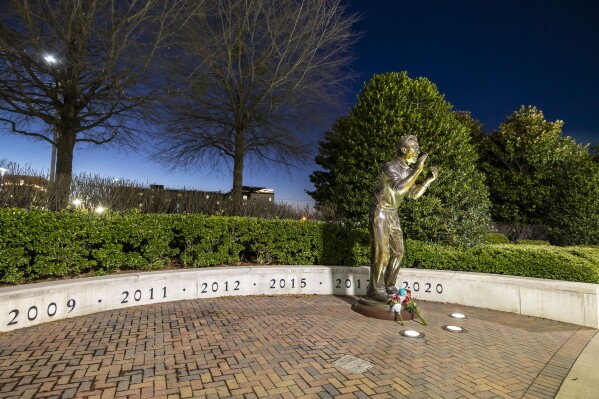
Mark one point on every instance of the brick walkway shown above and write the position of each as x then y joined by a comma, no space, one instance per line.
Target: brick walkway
284,347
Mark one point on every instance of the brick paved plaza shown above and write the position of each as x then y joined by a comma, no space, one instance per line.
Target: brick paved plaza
284,347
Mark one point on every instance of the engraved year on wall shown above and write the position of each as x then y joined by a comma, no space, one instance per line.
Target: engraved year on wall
351,285
421,287
33,314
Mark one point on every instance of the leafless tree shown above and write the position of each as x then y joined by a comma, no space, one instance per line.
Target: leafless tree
251,72
78,71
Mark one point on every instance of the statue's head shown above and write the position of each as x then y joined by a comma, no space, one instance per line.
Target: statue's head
408,149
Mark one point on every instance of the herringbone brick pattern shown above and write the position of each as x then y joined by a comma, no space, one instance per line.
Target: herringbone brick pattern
284,347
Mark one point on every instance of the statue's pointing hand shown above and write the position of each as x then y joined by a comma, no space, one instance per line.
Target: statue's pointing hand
420,162
433,176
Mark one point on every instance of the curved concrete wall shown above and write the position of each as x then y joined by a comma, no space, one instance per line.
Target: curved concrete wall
29,305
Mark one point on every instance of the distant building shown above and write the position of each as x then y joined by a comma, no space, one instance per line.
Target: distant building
23,191
257,194
157,198
35,182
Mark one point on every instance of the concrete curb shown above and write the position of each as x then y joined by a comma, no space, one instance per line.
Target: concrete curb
583,379
32,304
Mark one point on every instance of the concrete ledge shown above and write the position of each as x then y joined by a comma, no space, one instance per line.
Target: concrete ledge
566,301
32,304
29,305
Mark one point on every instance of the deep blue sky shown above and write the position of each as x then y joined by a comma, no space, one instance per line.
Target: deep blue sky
490,57
487,57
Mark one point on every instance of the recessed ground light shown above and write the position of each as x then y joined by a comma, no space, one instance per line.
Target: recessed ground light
411,334
453,328
458,315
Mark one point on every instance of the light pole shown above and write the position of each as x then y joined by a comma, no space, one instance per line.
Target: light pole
53,157
2,172
51,60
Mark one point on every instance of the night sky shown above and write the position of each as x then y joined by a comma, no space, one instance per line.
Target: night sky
490,57
486,57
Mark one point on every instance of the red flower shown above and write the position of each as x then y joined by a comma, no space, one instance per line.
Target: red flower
394,299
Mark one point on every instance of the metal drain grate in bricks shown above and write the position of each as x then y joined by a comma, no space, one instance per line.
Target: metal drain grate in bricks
353,364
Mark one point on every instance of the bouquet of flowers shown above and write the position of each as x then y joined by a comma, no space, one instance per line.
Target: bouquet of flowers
399,302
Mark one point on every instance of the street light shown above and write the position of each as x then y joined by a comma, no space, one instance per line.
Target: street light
2,172
51,60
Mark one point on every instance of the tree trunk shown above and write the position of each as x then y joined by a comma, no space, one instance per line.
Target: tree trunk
60,188
238,172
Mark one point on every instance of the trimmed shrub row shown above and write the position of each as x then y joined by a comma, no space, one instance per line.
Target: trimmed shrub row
39,244
499,238
558,263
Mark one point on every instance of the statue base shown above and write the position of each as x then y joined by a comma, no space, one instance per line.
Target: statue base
379,310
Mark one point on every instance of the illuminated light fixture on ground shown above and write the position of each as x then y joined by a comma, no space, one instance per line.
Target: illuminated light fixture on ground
411,334
100,209
458,315
77,202
453,329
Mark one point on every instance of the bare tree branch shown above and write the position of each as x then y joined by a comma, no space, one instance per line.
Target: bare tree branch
85,69
250,73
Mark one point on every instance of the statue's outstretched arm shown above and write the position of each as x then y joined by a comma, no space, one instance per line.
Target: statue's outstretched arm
405,185
419,189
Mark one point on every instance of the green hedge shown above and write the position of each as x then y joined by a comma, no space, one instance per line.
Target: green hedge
532,242
558,263
497,238
38,244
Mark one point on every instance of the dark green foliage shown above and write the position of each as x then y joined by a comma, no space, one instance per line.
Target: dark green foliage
455,208
520,160
44,244
145,240
216,240
344,246
206,240
532,242
558,263
36,245
40,244
497,238
595,153
573,214
541,177
286,242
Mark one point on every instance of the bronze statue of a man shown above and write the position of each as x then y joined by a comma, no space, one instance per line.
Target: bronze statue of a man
396,180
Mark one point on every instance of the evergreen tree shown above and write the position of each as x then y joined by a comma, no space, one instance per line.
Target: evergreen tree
573,214
519,159
455,208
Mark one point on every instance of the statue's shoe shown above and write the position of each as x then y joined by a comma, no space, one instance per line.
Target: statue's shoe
378,296
392,290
